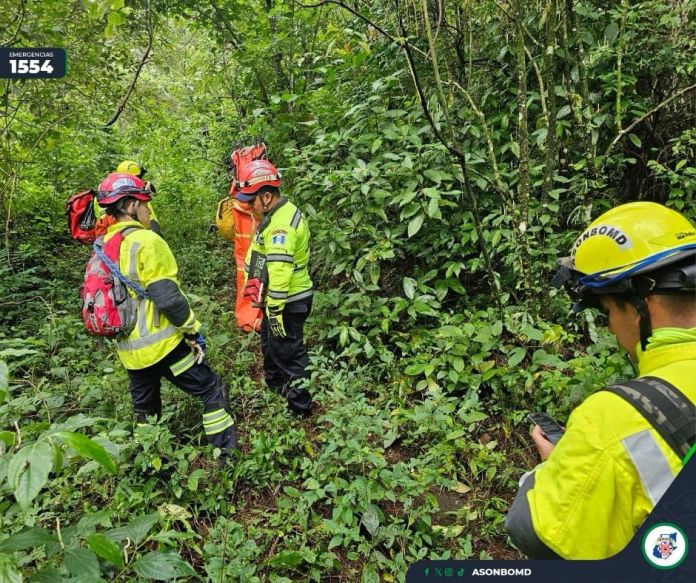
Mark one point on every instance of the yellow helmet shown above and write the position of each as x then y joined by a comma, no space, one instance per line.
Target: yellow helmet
635,250
131,167
630,239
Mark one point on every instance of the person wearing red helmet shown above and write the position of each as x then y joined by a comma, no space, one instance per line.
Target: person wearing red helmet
137,170
166,340
278,281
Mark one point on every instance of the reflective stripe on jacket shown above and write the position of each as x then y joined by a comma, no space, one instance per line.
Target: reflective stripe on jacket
605,475
283,239
146,259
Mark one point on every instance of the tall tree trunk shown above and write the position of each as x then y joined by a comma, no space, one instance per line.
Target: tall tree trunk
523,185
579,110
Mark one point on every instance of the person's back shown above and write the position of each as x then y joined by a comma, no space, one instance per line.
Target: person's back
165,341
146,258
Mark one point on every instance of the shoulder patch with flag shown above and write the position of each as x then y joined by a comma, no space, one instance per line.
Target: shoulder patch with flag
278,237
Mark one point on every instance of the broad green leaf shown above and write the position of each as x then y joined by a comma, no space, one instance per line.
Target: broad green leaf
162,566
564,111
292,558
433,209
543,358
9,571
27,538
516,356
461,488
409,287
105,548
449,531
532,333
80,561
370,519
415,224
138,528
635,140
415,369
8,438
49,575
17,352
88,448
369,574
611,32
28,471
192,482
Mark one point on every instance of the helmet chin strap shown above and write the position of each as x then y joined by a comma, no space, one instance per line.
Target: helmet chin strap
132,215
645,325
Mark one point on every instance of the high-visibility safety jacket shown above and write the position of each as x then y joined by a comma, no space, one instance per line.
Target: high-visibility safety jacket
606,473
282,244
166,316
237,222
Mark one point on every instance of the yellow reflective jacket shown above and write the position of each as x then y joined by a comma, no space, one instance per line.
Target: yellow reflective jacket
146,259
282,241
607,472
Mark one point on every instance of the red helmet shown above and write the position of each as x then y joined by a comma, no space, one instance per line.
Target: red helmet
255,175
118,185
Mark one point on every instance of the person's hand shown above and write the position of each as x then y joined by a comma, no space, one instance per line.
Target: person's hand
198,345
543,445
253,290
200,340
275,322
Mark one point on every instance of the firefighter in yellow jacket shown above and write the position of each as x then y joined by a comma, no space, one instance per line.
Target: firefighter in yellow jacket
278,281
617,457
166,340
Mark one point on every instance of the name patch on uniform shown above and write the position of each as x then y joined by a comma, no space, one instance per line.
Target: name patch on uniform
614,233
278,237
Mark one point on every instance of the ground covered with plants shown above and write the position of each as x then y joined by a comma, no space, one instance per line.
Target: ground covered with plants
445,154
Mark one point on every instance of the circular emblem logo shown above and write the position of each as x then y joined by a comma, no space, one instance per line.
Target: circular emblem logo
665,546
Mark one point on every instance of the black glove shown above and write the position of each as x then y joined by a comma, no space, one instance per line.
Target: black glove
275,321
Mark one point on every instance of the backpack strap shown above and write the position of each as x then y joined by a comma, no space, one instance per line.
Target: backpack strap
116,241
665,407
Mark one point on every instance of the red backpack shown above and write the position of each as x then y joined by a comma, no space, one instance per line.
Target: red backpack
243,156
82,221
107,307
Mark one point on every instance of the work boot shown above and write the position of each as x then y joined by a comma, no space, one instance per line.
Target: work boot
299,402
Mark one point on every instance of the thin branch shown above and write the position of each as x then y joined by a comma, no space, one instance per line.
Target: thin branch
222,20
519,23
489,141
10,42
124,101
461,160
15,178
365,19
540,80
642,118
424,102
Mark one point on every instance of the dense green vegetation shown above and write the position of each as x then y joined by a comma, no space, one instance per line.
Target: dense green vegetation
445,153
